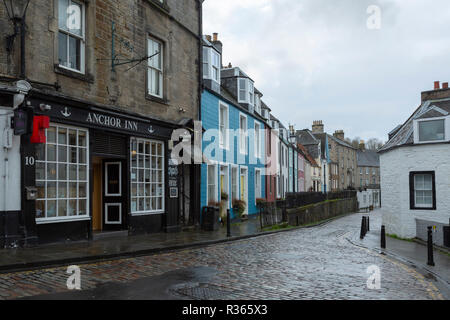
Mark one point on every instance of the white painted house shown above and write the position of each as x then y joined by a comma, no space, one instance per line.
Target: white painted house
415,170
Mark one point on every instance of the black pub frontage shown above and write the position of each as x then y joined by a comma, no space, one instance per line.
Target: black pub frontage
100,171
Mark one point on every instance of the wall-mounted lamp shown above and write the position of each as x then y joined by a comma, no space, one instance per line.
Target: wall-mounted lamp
16,10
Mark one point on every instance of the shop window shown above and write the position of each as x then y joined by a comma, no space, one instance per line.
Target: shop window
62,168
147,176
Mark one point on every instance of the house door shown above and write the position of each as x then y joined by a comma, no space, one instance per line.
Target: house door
113,196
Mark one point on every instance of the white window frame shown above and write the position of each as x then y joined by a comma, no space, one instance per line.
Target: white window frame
218,67
258,196
216,184
137,182
258,144
150,68
234,194
82,38
424,206
224,141
249,91
446,129
206,63
227,178
243,132
56,219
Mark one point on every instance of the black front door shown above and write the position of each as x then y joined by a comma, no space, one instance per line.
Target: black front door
114,195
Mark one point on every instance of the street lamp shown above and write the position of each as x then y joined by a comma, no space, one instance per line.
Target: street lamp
16,10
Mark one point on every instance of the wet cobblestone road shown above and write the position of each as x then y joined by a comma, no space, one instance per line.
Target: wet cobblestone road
315,263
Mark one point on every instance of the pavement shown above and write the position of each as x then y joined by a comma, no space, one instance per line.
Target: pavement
414,253
12,259
323,262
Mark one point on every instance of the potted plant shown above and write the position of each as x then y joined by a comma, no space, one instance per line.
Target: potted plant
239,207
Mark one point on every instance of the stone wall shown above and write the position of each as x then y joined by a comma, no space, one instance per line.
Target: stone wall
321,211
176,25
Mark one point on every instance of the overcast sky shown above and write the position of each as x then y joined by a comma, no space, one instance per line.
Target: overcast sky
318,60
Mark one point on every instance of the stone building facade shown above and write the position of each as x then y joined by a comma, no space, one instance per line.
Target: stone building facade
115,78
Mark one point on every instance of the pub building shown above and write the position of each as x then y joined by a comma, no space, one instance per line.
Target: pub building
100,171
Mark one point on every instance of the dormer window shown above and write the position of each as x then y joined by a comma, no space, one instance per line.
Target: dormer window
430,130
246,91
211,64
258,104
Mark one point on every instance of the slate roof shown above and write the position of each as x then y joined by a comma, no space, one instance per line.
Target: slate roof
307,155
342,143
368,158
428,109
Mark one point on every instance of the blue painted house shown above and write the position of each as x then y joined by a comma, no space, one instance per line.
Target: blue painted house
233,138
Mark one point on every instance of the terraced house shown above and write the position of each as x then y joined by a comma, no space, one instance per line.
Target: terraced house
234,139
108,82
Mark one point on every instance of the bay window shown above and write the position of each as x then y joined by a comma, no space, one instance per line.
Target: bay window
147,176
62,168
246,91
71,35
211,64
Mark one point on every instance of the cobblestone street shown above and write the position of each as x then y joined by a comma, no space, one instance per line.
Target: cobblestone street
314,263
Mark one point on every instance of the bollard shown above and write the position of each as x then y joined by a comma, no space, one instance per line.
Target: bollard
368,223
383,237
228,223
363,228
430,247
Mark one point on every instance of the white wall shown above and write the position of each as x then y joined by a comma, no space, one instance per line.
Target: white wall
12,192
395,168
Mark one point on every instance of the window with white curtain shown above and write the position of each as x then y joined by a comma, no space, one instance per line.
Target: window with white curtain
257,140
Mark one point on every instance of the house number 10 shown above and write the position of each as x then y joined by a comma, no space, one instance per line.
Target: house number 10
29,161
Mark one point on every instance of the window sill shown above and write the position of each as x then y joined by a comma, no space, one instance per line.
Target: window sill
138,214
61,220
73,74
156,99
161,6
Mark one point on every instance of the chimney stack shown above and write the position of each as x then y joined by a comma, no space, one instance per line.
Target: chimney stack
362,145
318,126
215,35
437,85
437,93
339,134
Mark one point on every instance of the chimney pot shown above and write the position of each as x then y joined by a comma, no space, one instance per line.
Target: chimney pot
437,85
445,85
215,36
208,37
